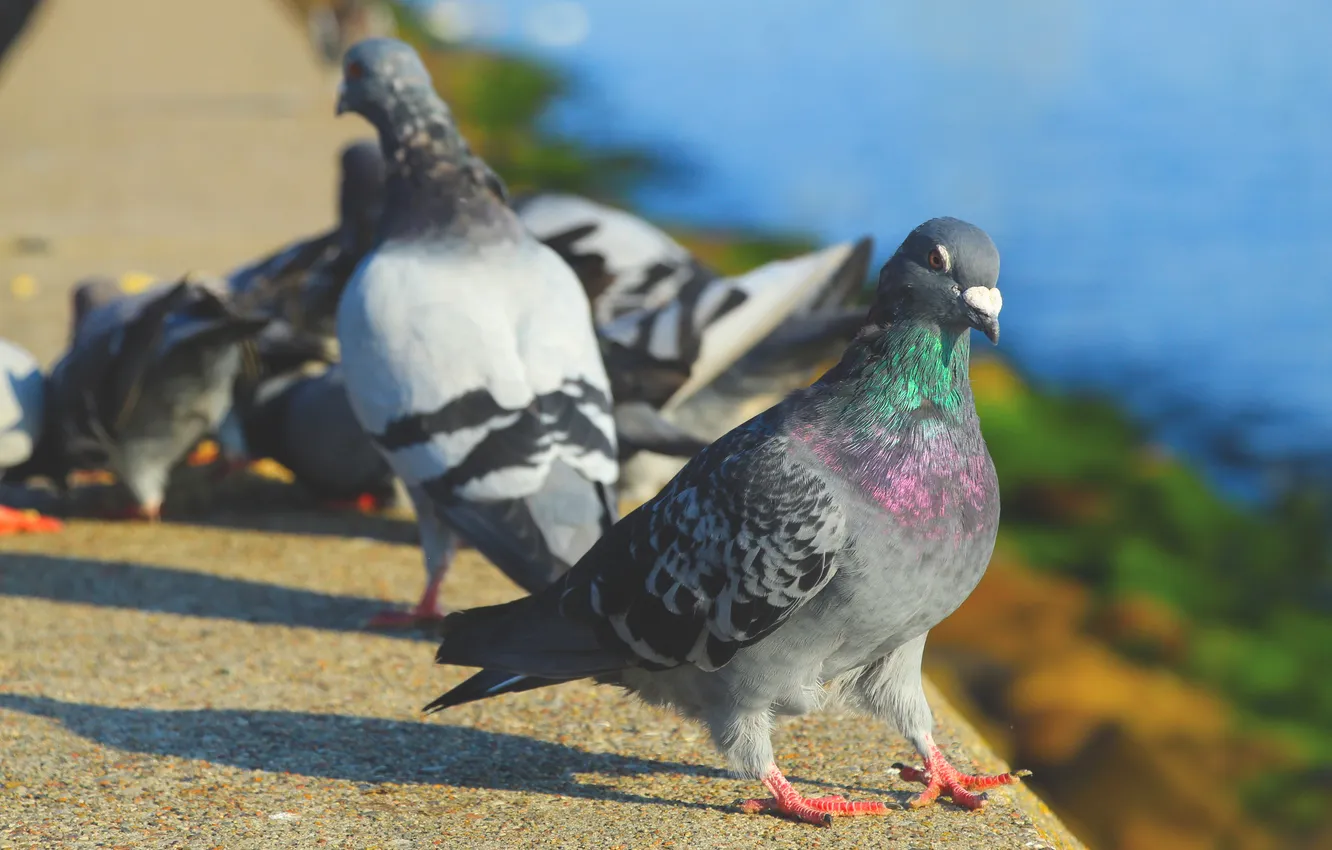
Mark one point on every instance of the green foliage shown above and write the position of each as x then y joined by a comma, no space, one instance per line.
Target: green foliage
1082,497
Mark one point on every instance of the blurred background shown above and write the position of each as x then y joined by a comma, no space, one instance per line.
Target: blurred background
1153,638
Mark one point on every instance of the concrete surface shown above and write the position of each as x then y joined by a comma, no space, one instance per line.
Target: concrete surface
203,683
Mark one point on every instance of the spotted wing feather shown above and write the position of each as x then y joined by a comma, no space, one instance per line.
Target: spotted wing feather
740,539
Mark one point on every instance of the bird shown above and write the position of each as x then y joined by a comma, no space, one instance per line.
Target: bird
300,283
145,378
468,349
803,556
670,324
22,413
302,419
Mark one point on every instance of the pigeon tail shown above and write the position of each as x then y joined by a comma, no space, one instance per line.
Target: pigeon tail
486,684
528,637
846,281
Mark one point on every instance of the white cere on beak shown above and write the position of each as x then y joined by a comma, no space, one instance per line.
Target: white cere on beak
986,301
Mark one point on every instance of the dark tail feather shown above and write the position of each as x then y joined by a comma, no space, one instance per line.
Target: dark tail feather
486,684
508,535
849,279
527,637
640,427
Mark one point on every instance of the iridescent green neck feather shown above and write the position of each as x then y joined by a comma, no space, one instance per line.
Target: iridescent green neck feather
910,369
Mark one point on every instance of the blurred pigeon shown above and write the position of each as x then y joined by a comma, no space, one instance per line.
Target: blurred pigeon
816,544
301,283
670,326
664,355
22,412
303,420
89,294
146,377
468,349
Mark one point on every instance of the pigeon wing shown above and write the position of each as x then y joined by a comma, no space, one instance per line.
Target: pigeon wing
740,539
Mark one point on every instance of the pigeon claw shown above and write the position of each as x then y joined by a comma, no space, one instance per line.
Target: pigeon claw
942,779
143,513
394,619
426,612
787,802
13,521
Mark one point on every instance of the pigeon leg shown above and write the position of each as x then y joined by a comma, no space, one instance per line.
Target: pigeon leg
891,689
149,513
427,609
941,778
438,544
14,521
788,802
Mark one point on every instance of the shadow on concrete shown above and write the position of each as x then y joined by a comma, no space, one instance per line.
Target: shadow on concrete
15,15
117,584
312,522
358,749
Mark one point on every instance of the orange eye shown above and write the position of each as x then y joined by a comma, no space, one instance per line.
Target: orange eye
354,71
938,260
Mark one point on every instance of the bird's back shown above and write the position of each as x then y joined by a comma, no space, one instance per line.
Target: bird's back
463,330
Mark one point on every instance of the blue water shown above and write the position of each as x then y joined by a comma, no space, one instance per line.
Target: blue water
1158,177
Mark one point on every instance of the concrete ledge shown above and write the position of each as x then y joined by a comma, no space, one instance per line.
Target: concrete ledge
208,685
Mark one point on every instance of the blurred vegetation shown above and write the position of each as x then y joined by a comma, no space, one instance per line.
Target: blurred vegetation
1159,652
1159,655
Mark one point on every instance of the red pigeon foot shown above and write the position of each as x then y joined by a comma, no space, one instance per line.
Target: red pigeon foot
941,778
426,612
366,503
147,513
786,801
14,521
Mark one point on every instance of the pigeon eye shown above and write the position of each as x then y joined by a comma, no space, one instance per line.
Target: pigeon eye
938,259
355,70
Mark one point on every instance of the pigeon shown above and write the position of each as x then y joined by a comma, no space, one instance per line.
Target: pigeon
146,377
670,325
806,553
468,349
303,420
22,412
301,283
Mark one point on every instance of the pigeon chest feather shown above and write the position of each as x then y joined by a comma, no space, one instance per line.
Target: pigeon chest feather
931,479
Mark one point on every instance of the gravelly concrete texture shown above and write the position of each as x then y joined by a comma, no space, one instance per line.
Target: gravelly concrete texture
199,686
204,682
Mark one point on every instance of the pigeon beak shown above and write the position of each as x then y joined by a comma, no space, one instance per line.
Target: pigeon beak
983,305
342,99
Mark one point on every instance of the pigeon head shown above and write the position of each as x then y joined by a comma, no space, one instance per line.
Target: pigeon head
379,74
947,271
385,82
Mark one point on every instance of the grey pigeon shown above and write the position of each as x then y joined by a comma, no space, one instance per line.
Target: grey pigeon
22,413
301,282
146,377
468,349
303,420
815,545
670,324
